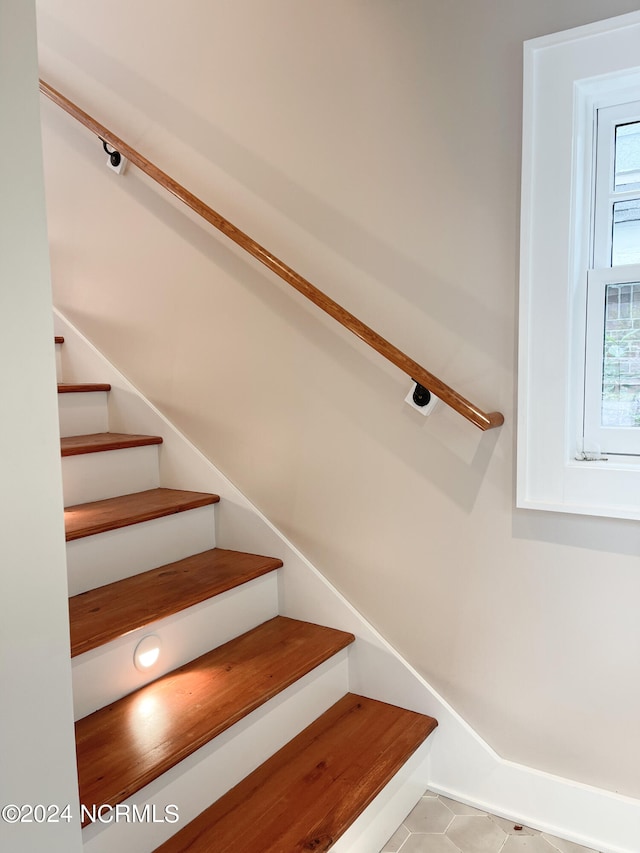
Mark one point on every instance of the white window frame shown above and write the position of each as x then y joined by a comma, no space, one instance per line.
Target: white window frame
609,111
566,76
609,117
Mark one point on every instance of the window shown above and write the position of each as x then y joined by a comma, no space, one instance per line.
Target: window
612,345
579,352
617,185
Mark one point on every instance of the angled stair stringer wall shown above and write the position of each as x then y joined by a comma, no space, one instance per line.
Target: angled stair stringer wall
457,763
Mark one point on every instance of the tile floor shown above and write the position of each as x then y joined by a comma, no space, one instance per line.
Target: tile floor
440,825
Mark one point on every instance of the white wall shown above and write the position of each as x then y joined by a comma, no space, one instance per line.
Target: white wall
376,148
37,749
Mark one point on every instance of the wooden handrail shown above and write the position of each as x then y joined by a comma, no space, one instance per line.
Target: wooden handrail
481,419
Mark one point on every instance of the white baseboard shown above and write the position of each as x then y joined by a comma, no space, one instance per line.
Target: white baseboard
596,819
461,764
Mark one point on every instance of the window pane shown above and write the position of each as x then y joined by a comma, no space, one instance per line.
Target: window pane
621,356
627,156
626,233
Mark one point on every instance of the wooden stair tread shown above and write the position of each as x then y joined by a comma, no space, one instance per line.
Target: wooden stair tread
307,795
110,611
112,513
58,339
127,744
76,445
80,387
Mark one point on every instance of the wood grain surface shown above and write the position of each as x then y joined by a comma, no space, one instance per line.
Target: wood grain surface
125,745
309,793
112,513
110,611
76,445
82,387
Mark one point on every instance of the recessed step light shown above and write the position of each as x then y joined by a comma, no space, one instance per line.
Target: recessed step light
147,652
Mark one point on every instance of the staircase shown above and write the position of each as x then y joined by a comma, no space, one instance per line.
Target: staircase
243,734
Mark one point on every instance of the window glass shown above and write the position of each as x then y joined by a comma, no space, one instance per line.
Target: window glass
627,157
621,356
626,233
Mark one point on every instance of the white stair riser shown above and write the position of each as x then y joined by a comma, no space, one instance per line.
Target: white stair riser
83,413
106,557
203,777
105,674
377,823
59,362
94,476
